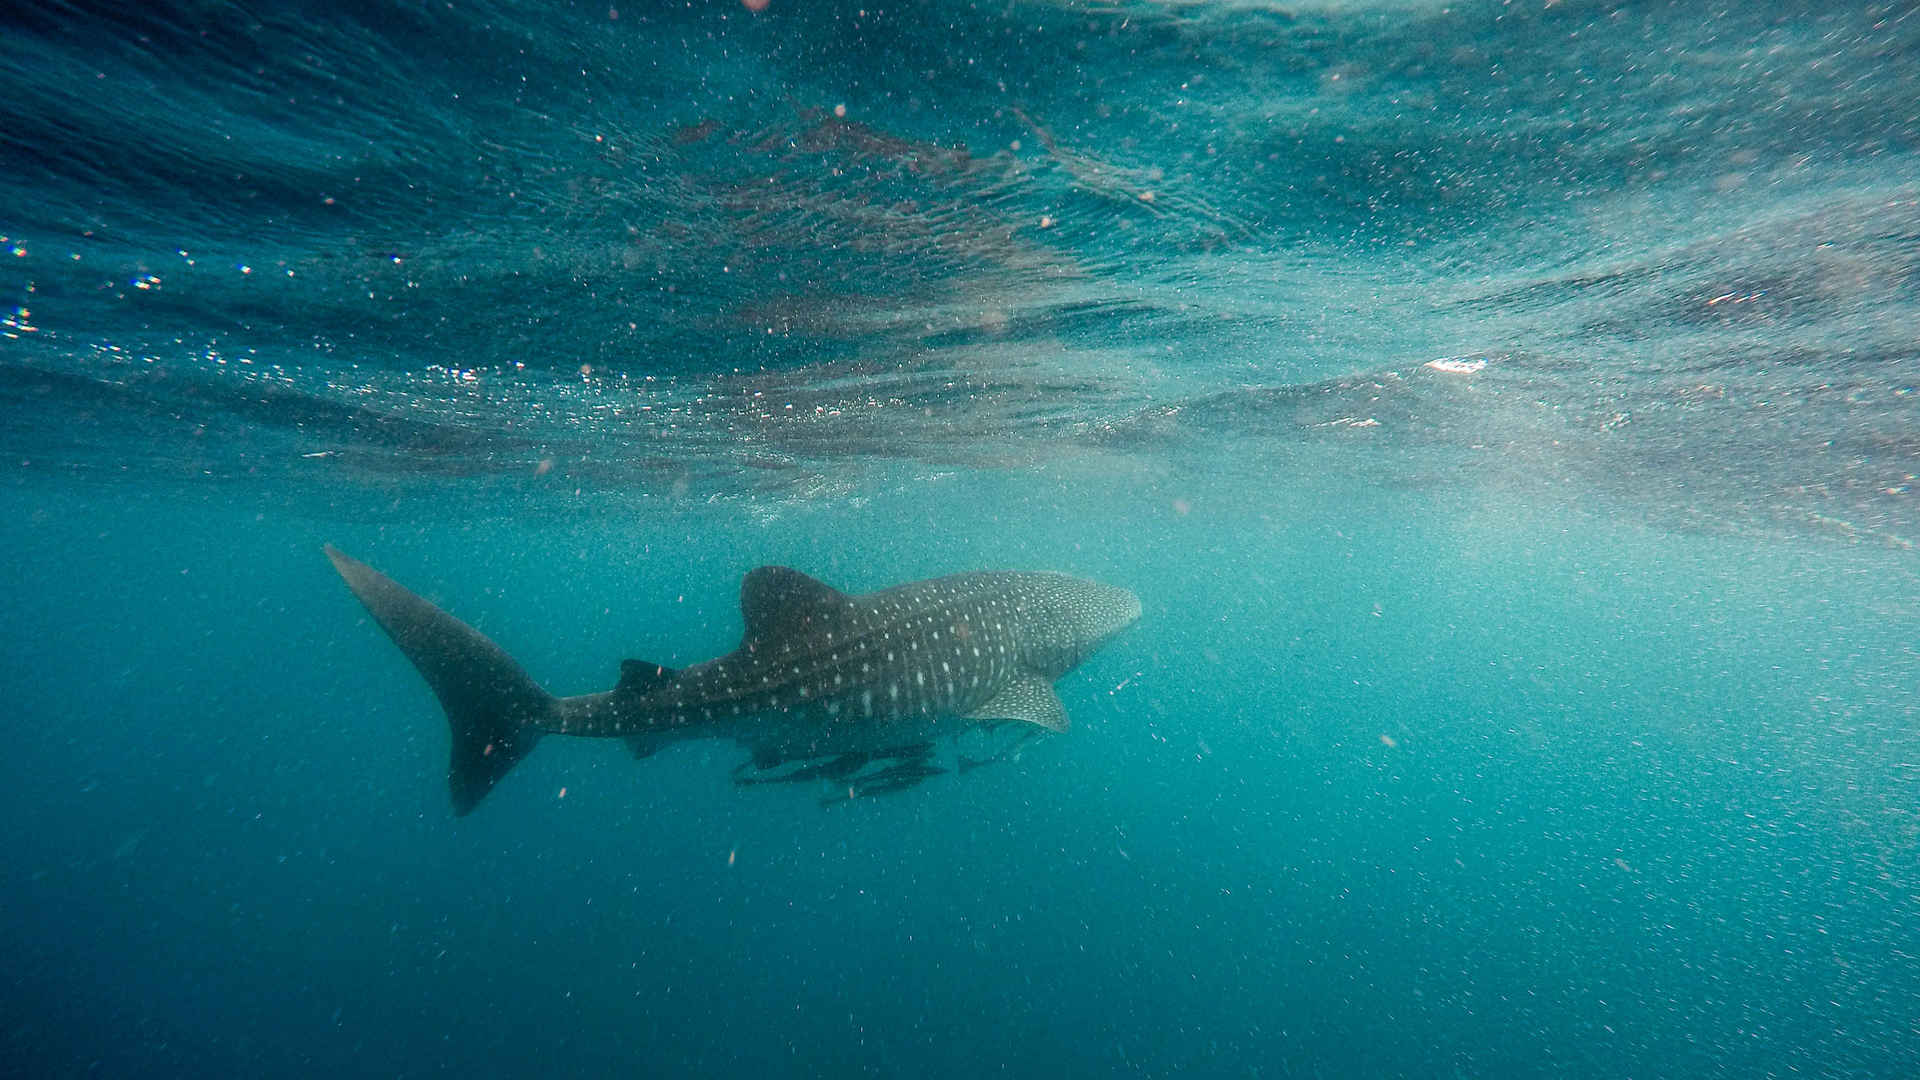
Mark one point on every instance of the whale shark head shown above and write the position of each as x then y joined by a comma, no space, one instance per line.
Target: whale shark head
1064,619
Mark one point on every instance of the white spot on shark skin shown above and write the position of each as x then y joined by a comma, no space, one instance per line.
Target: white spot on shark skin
866,702
893,691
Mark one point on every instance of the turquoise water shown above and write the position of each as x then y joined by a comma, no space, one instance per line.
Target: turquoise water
1505,413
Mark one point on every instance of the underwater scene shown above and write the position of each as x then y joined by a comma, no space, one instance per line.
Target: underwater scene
1350,538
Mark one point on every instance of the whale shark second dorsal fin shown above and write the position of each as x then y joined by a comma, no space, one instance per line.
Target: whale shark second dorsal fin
777,602
642,676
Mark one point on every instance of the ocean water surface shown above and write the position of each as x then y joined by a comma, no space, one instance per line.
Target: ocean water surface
1506,412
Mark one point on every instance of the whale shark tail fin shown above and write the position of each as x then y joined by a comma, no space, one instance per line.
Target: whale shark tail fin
490,700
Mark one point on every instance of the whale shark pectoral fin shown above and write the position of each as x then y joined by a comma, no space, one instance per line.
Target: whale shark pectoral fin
1028,698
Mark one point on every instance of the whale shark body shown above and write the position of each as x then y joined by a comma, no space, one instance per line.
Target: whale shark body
824,685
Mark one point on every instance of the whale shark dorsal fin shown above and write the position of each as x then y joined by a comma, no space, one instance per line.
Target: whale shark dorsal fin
1029,698
777,602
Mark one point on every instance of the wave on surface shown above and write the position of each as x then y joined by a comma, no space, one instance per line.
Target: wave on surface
709,251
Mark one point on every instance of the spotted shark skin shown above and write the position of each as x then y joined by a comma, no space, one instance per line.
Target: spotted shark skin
819,673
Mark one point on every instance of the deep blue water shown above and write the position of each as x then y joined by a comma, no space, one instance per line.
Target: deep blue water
1507,414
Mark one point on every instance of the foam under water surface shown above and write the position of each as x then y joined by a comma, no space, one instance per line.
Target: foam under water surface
1505,413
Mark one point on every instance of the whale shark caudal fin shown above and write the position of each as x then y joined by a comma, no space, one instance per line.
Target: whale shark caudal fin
489,699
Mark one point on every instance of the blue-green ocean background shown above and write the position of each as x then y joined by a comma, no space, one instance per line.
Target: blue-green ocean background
1507,414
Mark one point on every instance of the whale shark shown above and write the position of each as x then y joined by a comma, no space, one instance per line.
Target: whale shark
854,689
